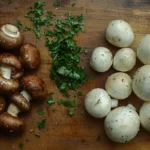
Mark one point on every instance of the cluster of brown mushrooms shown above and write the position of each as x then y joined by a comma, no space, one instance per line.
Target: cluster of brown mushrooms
17,87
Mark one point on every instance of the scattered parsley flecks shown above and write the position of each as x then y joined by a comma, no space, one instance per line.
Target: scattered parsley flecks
41,112
19,24
41,124
79,93
73,4
56,3
70,112
67,103
21,145
50,100
83,140
27,28
37,135
66,71
82,112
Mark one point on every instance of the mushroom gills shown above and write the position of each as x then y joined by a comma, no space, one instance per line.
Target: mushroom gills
6,71
26,95
10,30
13,110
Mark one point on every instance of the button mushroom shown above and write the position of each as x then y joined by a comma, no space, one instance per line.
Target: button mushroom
98,103
33,88
122,124
30,56
10,71
2,104
119,85
10,37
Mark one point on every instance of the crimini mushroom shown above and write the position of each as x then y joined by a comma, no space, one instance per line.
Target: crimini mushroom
2,104
98,103
141,83
10,71
101,59
119,33
119,85
10,37
33,88
30,56
11,123
122,124
145,115
124,60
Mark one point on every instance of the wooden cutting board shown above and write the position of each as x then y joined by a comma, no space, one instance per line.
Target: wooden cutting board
78,132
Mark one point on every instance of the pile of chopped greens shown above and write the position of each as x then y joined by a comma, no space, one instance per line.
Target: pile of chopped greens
65,71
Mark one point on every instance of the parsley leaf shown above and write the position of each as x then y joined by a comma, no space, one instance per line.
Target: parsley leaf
67,103
37,135
41,112
19,24
56,3
21,145
41,124
70,112
50,99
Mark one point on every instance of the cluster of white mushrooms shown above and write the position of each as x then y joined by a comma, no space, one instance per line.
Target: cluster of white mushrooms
123,123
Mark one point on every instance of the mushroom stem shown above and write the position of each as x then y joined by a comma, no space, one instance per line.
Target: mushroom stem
6,71
10,30
13,110
131,106
114,103
26,95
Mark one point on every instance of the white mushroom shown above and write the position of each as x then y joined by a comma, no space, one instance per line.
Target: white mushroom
122,124
145,115
141,83
119,85
98,103
124,60
101,59
119,33
143,50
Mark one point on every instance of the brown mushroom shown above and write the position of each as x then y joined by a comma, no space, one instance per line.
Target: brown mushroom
2,104
33,88
30,56
11,123
10,37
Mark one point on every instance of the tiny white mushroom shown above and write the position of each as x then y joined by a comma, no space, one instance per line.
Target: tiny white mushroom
145,116
122,124
119,85
98,103
141,83
143,50
124,60
119,33
101,59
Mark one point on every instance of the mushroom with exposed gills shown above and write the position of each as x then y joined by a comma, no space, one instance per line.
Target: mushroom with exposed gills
10,37
10,71
33,88
30,56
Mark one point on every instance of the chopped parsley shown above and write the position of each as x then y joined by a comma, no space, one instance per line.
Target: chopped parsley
27,28
66,71
41,112
79,93
82,112
70,112
31,130
37,135
19,24
50,99
67,103
73,4
41,124
56,3
21,145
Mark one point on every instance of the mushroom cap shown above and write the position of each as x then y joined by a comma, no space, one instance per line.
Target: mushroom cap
141,83
10,60
98,103
30,56
2,104
124,60
10,37
13,124
8,85
122,124
119,85
145,115
35,86
101,59
19,100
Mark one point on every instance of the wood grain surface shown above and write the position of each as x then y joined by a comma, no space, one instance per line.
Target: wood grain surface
78,132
